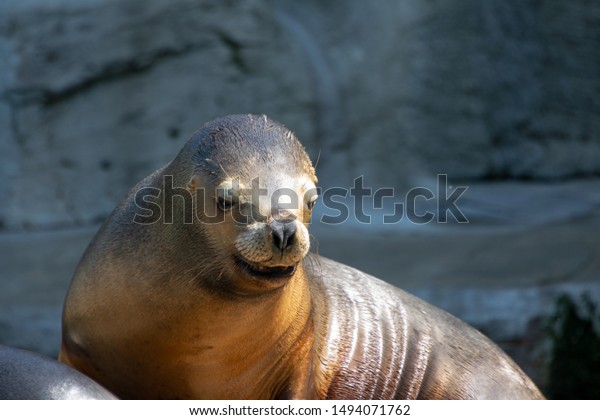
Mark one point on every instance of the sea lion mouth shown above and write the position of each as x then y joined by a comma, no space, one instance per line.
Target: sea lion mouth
274,272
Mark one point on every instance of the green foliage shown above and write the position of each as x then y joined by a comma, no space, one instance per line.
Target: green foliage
574,370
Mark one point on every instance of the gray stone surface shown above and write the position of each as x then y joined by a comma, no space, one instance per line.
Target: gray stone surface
475,89
101,93
36,270
96,94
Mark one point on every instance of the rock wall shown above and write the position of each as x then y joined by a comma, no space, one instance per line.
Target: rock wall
490,89
97,94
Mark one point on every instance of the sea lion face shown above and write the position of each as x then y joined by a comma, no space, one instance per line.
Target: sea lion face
270,226
260,189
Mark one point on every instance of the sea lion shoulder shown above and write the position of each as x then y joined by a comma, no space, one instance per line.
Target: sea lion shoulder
417,349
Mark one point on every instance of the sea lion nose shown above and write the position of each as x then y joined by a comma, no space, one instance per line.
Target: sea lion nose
283,233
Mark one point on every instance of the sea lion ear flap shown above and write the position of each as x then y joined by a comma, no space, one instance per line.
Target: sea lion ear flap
194,183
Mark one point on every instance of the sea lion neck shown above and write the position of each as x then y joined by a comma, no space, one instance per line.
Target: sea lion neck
245,344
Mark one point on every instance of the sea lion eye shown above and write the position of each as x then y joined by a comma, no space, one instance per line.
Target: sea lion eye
311,203
224,203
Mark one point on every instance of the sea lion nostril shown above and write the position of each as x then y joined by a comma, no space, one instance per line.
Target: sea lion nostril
283,234
291,234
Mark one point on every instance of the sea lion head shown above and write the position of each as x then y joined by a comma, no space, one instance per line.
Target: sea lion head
254,189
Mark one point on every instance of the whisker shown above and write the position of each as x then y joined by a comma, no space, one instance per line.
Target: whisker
317,162
313,262
224,171
314,241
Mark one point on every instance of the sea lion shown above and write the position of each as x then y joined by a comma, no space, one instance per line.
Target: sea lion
201,285
25,375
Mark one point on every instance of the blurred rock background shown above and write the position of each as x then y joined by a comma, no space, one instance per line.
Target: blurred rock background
502,95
